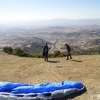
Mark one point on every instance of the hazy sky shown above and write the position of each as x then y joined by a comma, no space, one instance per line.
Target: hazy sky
48,9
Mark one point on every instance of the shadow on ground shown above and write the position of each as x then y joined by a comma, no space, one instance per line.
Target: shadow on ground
54,61
73,95
77,60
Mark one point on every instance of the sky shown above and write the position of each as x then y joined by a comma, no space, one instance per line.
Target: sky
26,10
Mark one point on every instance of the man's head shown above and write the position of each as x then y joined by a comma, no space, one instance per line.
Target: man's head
65,43
45,43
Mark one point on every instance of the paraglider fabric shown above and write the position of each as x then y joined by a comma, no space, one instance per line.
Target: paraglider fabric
47,88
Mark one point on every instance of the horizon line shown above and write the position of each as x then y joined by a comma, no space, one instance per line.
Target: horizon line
46,19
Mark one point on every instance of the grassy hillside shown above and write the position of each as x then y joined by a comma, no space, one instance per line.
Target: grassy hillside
35,70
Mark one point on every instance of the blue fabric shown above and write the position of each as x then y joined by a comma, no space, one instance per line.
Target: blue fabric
71,84
18,88
8,86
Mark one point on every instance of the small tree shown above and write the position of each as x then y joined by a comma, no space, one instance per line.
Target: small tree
57,53
8,49
18,51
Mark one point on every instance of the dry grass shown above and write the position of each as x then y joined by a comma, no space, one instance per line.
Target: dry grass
35,70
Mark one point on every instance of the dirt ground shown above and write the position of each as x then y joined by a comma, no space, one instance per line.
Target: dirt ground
85,68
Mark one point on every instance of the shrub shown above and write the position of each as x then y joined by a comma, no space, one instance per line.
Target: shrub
8,49
18,51
57,53
38,55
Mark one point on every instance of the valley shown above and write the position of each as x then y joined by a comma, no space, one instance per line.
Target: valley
78,37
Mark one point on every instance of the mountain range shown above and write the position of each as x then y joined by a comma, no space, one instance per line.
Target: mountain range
54,22
31,35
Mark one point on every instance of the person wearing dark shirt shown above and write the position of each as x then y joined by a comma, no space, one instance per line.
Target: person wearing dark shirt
45,52
68,51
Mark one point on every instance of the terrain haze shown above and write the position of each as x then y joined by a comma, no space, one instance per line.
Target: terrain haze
52,22
31,35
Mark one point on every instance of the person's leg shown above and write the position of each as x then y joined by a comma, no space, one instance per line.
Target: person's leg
67,56
47,56
44,55
70,56
44,58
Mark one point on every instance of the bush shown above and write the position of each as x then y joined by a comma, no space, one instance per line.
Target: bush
18,51
57,53
8,49
38,55
51,55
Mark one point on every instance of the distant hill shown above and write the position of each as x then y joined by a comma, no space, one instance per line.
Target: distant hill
34,47
56,22
32,38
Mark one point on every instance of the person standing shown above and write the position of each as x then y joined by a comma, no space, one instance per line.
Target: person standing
45,52
68,51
